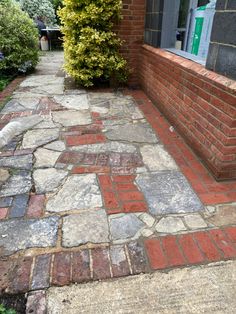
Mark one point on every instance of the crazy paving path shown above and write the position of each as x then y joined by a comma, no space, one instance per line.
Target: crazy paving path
88,191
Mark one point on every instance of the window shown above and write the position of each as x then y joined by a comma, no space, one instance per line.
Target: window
181,26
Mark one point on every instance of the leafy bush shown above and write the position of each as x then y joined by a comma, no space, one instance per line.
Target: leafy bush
18,38
57,4
39,8
3,310
91,47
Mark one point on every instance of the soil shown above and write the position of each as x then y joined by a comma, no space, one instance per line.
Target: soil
15,301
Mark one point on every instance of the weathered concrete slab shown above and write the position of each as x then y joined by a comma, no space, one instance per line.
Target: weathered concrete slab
70,118
48,180
168,192
17,184
208,289
36,138
78,192
19,234
87,227
139,133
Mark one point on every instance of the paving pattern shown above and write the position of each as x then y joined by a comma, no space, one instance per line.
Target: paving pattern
88,190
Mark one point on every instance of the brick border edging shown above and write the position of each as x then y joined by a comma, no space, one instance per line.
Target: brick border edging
210,191
40,272
10,88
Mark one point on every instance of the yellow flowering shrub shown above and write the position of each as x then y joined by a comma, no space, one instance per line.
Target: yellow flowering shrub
91,47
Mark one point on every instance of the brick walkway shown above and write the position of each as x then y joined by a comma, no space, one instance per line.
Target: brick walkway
93,186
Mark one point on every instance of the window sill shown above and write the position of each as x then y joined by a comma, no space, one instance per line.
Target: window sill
187,55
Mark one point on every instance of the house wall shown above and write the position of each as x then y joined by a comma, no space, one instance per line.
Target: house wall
131,30
222,51
199,103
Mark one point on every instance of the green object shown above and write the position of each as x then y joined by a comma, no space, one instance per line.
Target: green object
202,8
39,8
197,35
3,310
18,39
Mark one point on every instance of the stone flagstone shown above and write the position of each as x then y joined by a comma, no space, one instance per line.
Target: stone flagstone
4,175
77,102
36,138
140,133
41,80
70,118
48,180
78,192
16,184
17,162
45,158
19,234
20,104
58,146
168,192
124,226
156,158
170,225
86,227
195,221
50,90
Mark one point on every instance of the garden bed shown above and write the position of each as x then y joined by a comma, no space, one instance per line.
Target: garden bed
13,302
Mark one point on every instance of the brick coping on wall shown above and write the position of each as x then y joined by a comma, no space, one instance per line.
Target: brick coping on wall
201,105
216,79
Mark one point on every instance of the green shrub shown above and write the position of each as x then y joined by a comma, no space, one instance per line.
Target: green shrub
18,38
39,8
91,47
3,310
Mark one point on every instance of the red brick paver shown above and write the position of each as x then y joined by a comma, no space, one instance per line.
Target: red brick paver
121,195
160,253
208,189
190,249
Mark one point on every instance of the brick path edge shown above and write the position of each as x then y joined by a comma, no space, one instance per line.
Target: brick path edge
28,273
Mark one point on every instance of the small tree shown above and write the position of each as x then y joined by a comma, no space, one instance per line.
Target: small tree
91,47
18,38
42,8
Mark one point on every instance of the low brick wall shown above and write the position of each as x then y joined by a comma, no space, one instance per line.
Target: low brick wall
199,103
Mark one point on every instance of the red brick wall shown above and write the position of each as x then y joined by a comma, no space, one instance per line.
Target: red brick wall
131,30
199,103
